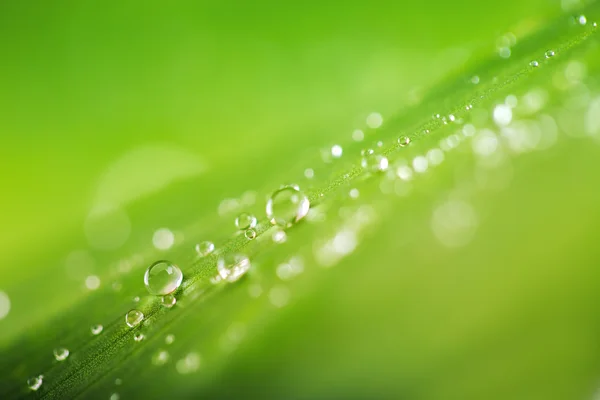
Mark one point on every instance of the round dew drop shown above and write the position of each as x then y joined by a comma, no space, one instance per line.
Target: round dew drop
61,354
35,383
287,206
245,221
205,248
534,64
233,266
250,234
403,141
162,278
133,318
96,329
168,301
549,53
138,337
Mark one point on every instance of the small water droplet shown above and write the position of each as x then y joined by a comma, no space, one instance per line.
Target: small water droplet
582,20
374,162
336,151
287,206
233,266
35,383
161,357
169,339
138,337
96,329
504,52
136,299
168,301
549,53
133,318
534,64
309,173
354,193
61,354
403,141
366,152
250,234
163,277
205,248
245,221
475,80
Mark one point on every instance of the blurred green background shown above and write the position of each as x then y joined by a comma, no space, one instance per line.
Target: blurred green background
166,109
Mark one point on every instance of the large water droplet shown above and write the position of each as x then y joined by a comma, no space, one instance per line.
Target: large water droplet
205,248
287,206
61,354
374,162
35,383
245,221
96,329
233,266
162,277
133,318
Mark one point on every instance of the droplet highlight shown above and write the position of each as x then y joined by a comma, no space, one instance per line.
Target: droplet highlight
205,248
233,266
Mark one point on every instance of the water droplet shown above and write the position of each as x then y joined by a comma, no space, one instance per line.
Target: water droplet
279,236
245,221
287,206
161,357
136,299
96,329
374,120
163,277
92,282
354,193
358,135
163,239
138,337
4,304
250,234
115,396
403,141
133,318
309,173
336,151
168,301
582,20
61,354
169,339
549,53
35,383
374,162
451,118
534,64
189,364
475,80
233,266
205,248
